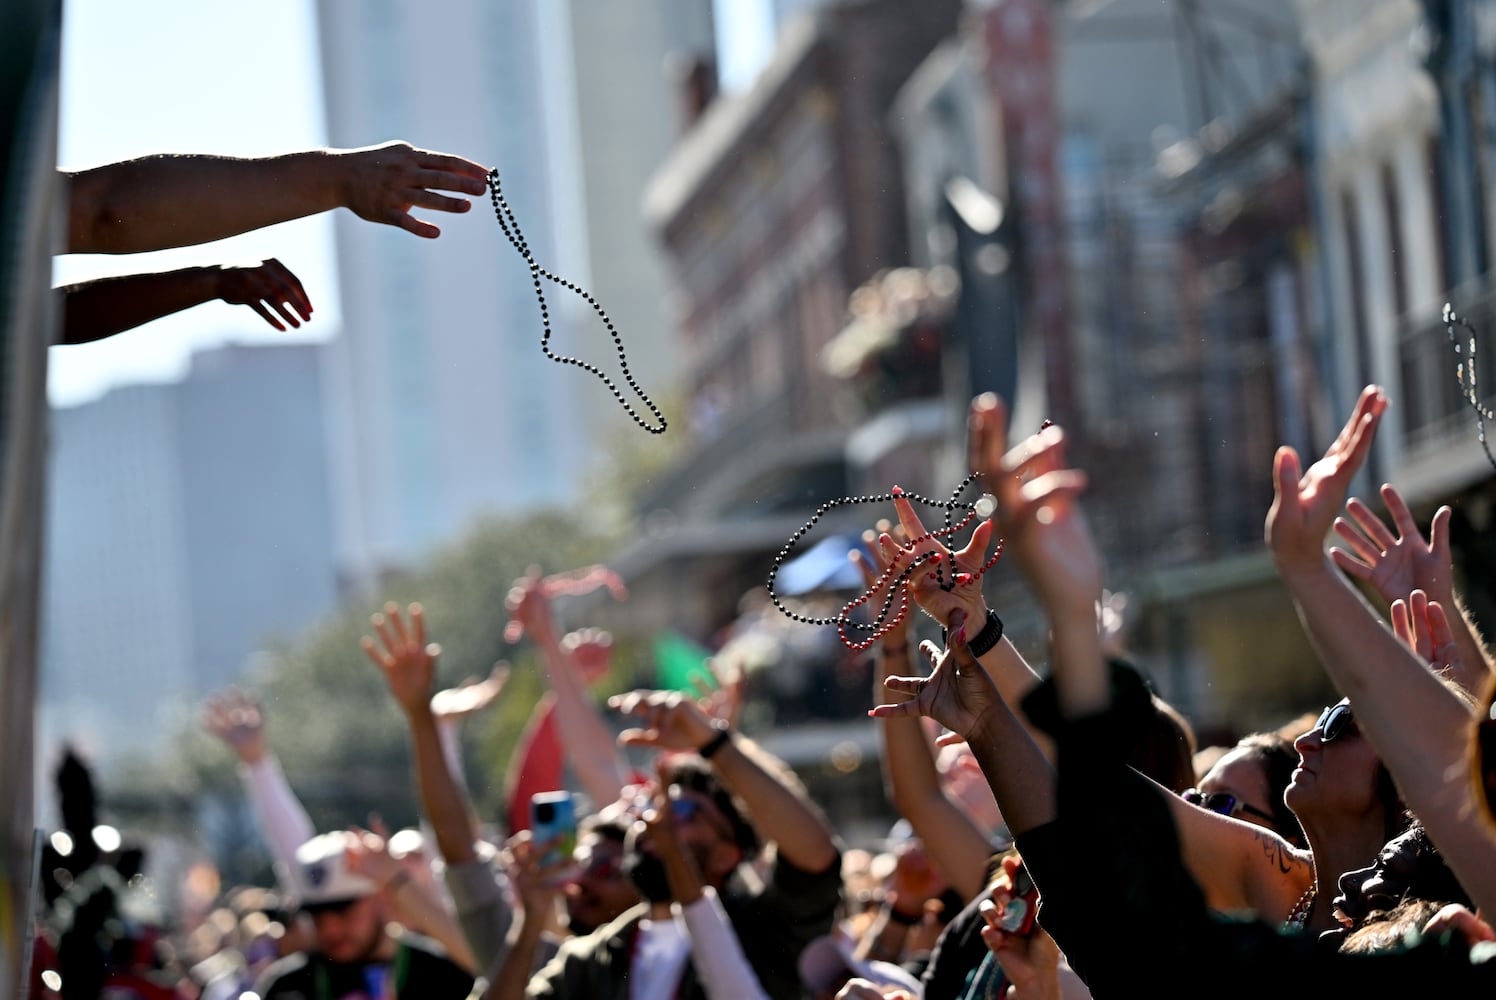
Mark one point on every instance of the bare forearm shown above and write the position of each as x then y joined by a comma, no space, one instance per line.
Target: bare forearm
1014,679
1080,670
173,200
514,973
1021,777
93,310
780,812
590,745
1388,686
1475,667
956,845
442,798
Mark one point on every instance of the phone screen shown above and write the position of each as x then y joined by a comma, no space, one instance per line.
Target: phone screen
553,822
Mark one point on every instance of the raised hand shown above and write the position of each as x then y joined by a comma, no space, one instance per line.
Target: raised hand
957,693
383,183
530,597
265,286
538,885
591,650
959,570
1424,627
368,855
886,551
471,696
403,656
915,879
1396,564
238,719
723,698
666,719
1305,500
1031,962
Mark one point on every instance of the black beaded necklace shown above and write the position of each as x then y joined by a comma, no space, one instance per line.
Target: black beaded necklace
898,571
510,225
1464,373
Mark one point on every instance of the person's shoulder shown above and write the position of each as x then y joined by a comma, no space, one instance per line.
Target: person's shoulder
286,978
432,971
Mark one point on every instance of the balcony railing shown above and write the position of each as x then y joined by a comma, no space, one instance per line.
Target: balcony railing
1434,373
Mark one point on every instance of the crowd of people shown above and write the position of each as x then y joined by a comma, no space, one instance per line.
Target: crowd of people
1056,839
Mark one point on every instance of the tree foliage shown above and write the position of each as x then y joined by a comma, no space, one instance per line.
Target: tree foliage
338,733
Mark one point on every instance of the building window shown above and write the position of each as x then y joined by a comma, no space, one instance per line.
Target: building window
1395,242
1434,158
1358,287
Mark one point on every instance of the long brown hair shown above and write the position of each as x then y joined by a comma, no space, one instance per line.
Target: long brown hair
1483,753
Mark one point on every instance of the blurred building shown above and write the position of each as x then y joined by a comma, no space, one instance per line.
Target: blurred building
188,524
774,206
443,405
1405,142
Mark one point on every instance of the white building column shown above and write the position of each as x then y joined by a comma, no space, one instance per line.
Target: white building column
1420,248
1378,302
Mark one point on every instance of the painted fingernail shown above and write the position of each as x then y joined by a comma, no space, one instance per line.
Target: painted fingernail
959,635
963,578
936,558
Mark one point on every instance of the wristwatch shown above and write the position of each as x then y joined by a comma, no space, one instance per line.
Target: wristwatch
991,634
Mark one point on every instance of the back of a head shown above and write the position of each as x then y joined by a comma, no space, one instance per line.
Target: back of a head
1163,742
697,775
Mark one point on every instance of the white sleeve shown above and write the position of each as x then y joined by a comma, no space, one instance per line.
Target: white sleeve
283,821
721,966
446,732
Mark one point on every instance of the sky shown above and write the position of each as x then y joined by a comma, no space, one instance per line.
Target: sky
240,79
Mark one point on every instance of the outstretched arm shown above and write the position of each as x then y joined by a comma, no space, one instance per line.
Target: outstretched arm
409,665
174,200
781,810
239,720
1383,678
93,310
1395,563
414,903
590,745
956,845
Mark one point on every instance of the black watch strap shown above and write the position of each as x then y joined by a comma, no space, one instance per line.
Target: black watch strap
991,634
717,742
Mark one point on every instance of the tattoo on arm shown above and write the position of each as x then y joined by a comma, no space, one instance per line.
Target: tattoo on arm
1278,852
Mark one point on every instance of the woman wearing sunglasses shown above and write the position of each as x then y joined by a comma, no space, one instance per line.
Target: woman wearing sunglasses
1422,726
1248,782
1137,869
1340,795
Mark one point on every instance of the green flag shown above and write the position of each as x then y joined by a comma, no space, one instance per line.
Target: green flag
677,660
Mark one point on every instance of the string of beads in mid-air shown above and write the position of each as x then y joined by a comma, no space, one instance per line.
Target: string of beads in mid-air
510,225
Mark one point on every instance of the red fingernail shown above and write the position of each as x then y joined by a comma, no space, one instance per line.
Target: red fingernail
963,578
959,635
897,491
936,558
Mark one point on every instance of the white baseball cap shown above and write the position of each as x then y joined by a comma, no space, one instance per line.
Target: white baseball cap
322,875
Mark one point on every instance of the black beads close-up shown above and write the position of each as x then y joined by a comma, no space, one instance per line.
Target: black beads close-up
510,225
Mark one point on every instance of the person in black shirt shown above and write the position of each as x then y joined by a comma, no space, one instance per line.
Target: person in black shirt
355,958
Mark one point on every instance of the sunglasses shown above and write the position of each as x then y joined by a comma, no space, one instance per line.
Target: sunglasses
1226,804
1335,722
686,810
604,868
